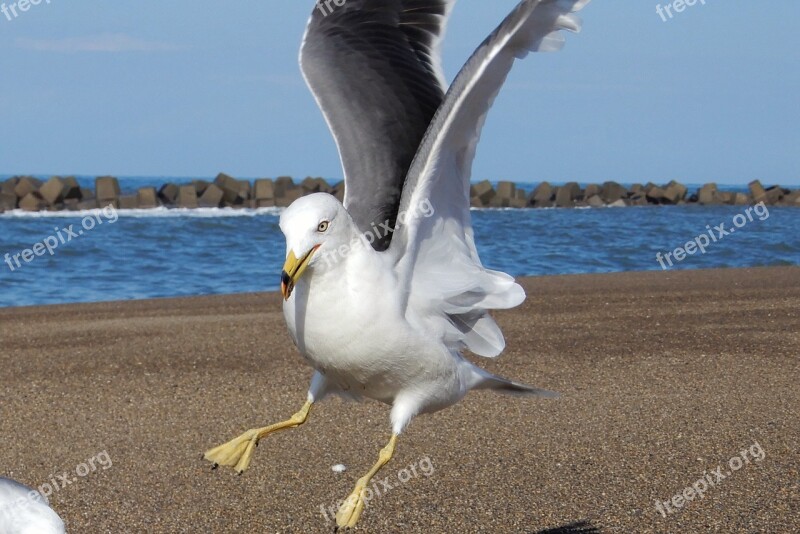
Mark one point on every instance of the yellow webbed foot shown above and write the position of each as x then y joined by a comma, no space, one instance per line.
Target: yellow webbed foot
350,510
238,452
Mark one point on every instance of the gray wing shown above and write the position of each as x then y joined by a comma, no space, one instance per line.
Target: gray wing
374,69
434,248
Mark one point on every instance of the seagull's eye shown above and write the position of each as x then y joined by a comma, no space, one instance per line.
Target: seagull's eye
323,226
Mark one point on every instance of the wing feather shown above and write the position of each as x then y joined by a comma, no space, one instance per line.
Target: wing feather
435,254
374,68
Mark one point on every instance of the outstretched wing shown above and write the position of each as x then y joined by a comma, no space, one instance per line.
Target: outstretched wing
434,247
374,69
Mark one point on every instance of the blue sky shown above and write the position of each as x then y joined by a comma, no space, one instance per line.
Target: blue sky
185,88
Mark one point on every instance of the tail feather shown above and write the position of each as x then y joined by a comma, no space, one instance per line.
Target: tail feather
508,387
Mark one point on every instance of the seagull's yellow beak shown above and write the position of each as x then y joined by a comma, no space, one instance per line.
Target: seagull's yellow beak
293,269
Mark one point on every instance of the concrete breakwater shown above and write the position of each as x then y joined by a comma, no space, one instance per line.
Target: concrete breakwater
65,194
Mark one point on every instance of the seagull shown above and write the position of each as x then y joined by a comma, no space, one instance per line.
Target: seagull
25,511
385,292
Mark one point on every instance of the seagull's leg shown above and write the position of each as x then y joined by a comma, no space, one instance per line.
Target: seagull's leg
237,452
351,509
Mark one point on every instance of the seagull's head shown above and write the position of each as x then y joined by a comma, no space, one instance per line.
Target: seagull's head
314,225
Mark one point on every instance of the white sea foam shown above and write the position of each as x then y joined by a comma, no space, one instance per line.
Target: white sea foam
161,212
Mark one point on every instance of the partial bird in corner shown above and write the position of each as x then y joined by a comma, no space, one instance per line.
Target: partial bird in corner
25,511
384,292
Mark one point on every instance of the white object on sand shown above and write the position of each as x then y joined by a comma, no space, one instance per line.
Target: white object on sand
25,511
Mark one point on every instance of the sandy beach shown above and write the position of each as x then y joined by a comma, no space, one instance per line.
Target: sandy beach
666,379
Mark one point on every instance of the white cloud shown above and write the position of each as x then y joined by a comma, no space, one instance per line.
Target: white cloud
109,42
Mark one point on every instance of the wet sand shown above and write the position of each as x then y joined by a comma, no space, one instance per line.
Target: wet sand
664,378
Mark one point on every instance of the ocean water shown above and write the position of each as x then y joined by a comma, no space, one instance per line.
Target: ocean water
137,254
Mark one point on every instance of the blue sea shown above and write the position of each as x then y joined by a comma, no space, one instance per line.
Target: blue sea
137,254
